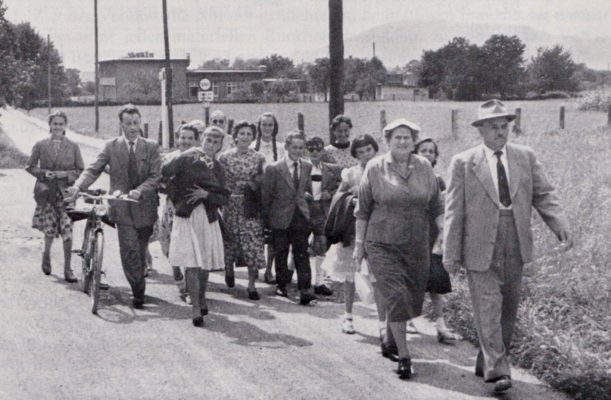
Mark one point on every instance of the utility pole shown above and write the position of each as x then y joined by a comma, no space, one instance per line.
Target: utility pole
336,61
96,77
49,74
168,73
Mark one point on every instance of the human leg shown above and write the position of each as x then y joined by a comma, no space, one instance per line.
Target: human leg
132,259
46,255
192,280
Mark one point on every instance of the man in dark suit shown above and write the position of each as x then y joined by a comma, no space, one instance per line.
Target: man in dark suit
492,190
326,178
134,168
286,188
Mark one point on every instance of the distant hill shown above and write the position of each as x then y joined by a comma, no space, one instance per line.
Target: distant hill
399,42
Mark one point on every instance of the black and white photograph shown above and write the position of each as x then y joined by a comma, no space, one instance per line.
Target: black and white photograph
321,199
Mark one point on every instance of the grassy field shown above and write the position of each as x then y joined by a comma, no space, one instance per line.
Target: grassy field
564,322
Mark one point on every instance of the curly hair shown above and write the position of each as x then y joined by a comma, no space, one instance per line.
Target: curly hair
338,120
243,124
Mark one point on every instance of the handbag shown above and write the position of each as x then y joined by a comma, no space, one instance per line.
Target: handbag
43,193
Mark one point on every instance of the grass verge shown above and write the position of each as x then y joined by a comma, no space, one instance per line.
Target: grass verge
10,157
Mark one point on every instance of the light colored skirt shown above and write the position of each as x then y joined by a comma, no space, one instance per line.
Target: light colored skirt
195,242
341,267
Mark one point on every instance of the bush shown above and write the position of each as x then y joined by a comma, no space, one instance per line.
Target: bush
548,95
593,101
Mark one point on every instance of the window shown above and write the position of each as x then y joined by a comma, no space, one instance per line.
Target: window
193,91
215,88
232,87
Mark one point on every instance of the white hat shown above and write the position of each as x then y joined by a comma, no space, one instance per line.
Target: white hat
401,122
492,109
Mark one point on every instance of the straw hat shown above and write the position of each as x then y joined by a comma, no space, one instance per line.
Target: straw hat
492,109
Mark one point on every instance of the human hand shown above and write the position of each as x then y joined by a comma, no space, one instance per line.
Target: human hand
308,196
50,175
60,174
566,240
195,194
359,253
325,196
452,267
70,194
134,194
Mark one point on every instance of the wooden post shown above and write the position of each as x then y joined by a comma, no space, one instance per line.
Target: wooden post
300,123
49,74
454,124
207,115
609,116
146,130
160,135
562,117
336,61
168,72
382,120
97,77
230,126
517,125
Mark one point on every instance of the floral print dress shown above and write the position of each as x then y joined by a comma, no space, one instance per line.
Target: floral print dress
243,224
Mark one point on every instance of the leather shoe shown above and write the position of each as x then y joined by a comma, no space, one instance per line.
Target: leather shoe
138,304
204,311
502,384
404,369
479,372
281,291
229,278
198,321
323,290
390,352
253,295
46,265
104,286
306,298
69,275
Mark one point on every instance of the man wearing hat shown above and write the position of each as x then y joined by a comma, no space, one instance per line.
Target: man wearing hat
492,190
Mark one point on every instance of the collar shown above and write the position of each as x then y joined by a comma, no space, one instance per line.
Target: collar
341,146
289,162
127,140
391,160
489,153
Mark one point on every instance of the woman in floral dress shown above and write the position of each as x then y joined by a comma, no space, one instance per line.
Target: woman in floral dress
243,224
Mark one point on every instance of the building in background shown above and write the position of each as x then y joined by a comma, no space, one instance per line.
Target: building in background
136,79
401,86
227,84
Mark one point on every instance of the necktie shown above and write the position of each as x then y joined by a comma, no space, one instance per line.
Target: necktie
504,197
132,168
296,175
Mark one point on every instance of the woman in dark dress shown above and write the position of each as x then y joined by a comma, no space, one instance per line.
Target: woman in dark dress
56,162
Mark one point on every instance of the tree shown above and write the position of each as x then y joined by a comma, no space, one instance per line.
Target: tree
553,69
215,63
241,64
503,67
73,82
283,90
277,66
319,75
257,89
8,62
144,83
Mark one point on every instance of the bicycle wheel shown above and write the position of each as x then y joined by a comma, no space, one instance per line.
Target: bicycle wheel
96,269
86,260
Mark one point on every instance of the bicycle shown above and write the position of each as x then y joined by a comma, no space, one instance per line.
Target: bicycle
95,211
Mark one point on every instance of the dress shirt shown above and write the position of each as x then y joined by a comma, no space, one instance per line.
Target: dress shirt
135,143
290,163
492,160
316,185
267,149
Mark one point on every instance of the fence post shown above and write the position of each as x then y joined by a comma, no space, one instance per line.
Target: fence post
454,124
146,130
382,120
160,134
609,116
230,126
517,125
562,117
300,123
207,115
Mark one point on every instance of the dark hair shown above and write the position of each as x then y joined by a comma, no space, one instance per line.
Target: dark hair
128,109
274,133
338,120
243,124
188,127
363,141
428,140
315,141
294,135
60,114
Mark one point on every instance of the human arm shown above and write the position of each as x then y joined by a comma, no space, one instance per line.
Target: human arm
267,192
32,164
151,183
362,212
92,172
454,217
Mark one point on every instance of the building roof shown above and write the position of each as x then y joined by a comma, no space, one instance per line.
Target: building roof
224,71
143,59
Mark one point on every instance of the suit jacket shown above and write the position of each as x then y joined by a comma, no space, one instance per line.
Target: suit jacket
279,196
472,205
186,171
115,155
43,158
331,178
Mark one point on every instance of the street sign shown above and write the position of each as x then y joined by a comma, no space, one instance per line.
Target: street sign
205,84
206,96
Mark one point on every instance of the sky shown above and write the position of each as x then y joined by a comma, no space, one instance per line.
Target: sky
256,28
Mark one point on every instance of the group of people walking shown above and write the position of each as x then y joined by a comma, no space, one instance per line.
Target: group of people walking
244,199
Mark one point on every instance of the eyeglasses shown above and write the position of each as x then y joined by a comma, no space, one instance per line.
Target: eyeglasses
315,149
218,121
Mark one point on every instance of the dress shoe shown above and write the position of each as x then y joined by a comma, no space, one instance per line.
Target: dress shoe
253,295
390,352
479,372
404,369
281,291
229,278
306,298
138,303
46,265
502,384
347,326
104,286
447,337
269,278
69,275
198,321
204,311
323,290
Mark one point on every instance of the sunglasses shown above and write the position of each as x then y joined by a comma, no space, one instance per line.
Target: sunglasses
218,121
315,149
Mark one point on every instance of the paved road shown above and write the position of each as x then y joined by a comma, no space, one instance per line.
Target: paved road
52,347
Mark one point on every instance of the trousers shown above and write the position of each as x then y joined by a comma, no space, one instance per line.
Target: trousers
296,235
132,247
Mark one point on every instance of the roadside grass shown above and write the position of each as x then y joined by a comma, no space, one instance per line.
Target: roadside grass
10,157
562,334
